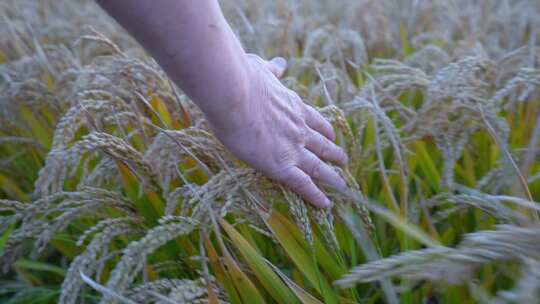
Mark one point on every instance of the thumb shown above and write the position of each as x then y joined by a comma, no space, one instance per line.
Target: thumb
277,66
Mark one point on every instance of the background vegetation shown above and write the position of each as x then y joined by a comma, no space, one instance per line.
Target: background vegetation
113,190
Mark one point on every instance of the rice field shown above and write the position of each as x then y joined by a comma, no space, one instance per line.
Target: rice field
113,189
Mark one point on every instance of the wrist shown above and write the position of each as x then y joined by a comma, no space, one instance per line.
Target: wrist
228,103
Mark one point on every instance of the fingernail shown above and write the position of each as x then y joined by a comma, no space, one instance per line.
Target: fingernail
343,185
332,135
327,204
280,61
345,159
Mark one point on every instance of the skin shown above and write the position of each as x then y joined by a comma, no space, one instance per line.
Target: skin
258,119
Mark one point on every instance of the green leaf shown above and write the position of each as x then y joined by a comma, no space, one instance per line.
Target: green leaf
303,295
402,224
11,188
5,236
220,273
301,256
257,263
243,284
246,289
39,266
427,165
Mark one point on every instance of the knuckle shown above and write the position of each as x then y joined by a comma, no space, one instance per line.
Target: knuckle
294,96
320,124
288,156
317,117
279,173
325,151
301,122
254,57
317,170
301,183
311,137
296,102
299,140
300,135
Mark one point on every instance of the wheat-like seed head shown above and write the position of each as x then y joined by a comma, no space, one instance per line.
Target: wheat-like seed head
453,265
134,254
43,218
88,261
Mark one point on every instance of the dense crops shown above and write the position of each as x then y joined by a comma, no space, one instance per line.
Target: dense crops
112,189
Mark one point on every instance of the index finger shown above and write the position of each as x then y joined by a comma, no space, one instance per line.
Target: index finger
299,182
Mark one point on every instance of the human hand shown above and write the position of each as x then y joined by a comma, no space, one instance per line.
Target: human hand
273,131
258,119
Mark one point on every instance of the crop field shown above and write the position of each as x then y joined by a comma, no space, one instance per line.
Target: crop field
114,190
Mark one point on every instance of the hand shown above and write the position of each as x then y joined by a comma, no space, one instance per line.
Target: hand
273,131
250,111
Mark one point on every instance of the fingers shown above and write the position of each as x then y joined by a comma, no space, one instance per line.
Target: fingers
277,66
317,122
299,182
325,149
319,171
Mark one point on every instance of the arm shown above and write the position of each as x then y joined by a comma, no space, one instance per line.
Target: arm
192,42
249,110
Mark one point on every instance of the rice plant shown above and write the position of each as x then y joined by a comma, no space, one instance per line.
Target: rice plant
113,189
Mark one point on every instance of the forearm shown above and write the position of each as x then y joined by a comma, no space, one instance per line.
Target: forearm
193,43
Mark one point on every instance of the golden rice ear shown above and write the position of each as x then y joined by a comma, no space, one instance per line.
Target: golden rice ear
92,260
453,265
176,290
131,263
